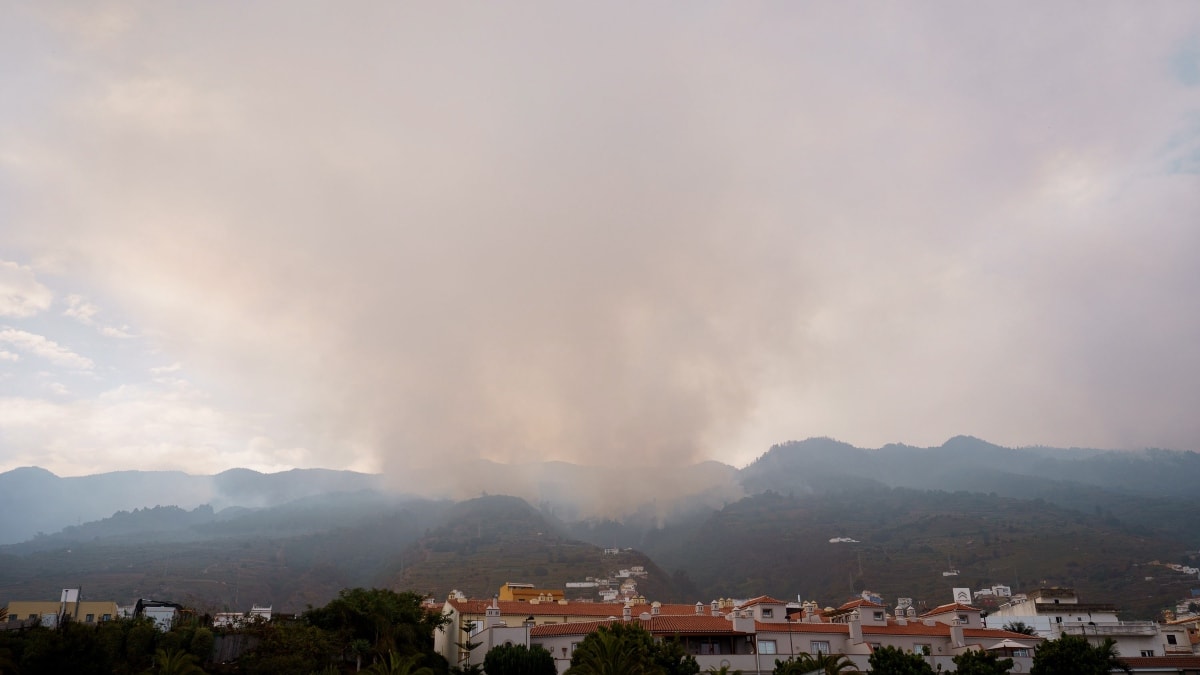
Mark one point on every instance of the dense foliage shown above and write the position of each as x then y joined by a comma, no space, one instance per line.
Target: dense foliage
829,664
629,649
1074,655
981,663
892,661
391,631
519,660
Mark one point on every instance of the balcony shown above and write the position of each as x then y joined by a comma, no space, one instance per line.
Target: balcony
1109,629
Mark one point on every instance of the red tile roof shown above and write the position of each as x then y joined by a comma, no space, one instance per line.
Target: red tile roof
854,604
762,600
952,607
658,625
599,610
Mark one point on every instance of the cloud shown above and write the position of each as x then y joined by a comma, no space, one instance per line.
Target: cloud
164,370
21,295
8,356
627,235
84,312
44,348
137,426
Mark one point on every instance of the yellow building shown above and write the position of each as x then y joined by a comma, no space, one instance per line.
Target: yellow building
47,611
511,592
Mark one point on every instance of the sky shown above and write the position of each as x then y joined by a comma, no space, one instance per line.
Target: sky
395,237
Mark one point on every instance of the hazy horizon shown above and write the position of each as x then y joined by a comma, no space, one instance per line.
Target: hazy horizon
394,238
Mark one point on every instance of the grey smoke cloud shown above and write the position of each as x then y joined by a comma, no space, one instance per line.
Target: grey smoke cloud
629,235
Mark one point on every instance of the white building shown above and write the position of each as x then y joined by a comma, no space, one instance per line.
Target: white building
1053,612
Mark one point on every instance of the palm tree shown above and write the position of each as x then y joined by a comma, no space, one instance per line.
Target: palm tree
175,662
1020,627
833,664
400,665
1108,655
723,670
606,653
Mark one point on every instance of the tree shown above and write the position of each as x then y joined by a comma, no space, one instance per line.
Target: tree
981,663
389,621
892,661
672,658
832,664
617,649
518,660
288,647
1074,655
1020,627
395,664
175,663
724,670
465,647
829,664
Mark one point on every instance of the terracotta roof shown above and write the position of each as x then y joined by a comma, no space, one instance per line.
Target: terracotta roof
952,607
892,628
600,610
762,600
658,625
858,603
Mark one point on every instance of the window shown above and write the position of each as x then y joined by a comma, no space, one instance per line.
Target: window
106,617
90,618
768,612
1021,652
819,647
922,649
1147,652
33,616
875,645
574,646
13,617
878,615
1171,639
766,647
963,619
1058,619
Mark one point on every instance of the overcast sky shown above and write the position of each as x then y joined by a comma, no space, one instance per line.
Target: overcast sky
394,235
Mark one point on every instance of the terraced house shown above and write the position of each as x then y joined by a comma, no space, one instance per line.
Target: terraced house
747,635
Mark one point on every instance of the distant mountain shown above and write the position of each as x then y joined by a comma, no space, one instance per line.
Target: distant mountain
486,542
1021,516
781,545
290,555
1147,488
49,502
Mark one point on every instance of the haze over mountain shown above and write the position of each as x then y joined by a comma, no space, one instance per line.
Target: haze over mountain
1077,477
1018,516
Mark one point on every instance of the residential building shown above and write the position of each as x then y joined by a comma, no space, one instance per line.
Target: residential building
1053,612
51,613
236,619
511,592
746,635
